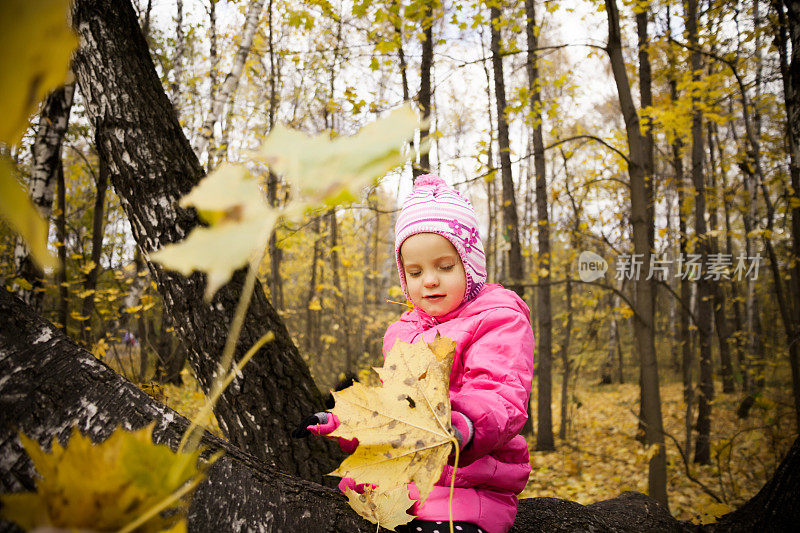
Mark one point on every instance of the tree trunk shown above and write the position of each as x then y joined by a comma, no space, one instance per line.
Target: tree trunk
46,152
180,45
684,334
790,71
48,384
425,90
213,59
719,298
643,312
275,252
510,223
702,453
152,166
61,237
544,312
98,231
312,335
228,87
339,296
566,363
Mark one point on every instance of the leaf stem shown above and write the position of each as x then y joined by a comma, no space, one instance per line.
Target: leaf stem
227,352
453,482
218,388
163,504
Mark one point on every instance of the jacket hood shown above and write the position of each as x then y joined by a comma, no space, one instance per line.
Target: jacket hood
491,296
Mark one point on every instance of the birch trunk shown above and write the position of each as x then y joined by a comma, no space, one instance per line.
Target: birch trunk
46,152
231,82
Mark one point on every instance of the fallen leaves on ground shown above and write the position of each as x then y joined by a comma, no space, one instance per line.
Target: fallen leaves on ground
601,457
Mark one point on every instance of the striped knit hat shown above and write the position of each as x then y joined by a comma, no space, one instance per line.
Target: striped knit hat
435,207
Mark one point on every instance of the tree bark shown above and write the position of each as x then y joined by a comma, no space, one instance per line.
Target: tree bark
717,291
228,87
49,384
152,166
544,311
180,45
46,152
644,314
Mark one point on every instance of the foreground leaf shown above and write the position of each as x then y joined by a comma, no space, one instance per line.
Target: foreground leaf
18,211
402,425
36,43
103,486
388,509
332,172
231,201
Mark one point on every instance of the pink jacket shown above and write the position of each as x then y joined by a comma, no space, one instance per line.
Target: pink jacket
490,383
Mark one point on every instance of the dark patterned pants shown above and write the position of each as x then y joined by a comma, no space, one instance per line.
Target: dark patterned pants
420,526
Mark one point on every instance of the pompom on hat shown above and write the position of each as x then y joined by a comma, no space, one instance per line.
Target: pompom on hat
435,207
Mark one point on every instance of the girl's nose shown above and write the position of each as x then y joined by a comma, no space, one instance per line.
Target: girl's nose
431,281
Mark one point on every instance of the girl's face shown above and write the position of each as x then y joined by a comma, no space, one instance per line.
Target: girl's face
435,276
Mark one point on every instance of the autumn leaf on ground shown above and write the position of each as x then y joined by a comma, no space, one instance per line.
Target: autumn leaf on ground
388,509
240,222
402,425
104,486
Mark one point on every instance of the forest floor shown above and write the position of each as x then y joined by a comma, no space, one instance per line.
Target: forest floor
601,458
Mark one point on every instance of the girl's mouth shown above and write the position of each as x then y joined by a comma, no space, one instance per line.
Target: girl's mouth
435,297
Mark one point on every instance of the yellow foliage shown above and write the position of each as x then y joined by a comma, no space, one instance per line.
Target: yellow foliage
104,486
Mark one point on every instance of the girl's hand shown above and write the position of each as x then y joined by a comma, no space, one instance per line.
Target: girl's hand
462,428
319,424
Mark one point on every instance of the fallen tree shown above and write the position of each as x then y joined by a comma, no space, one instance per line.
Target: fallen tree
49,384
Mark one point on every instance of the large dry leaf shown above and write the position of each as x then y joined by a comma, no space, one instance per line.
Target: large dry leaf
388,509
403,425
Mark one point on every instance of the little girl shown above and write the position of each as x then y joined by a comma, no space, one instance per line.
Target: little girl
442,270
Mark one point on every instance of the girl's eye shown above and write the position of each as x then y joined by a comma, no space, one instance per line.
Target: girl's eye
446,268
414,274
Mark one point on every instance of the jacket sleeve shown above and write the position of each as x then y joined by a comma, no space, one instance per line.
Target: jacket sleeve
496,384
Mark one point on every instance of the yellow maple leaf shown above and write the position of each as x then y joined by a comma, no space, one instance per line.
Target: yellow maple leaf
386,508
403,424
105,486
